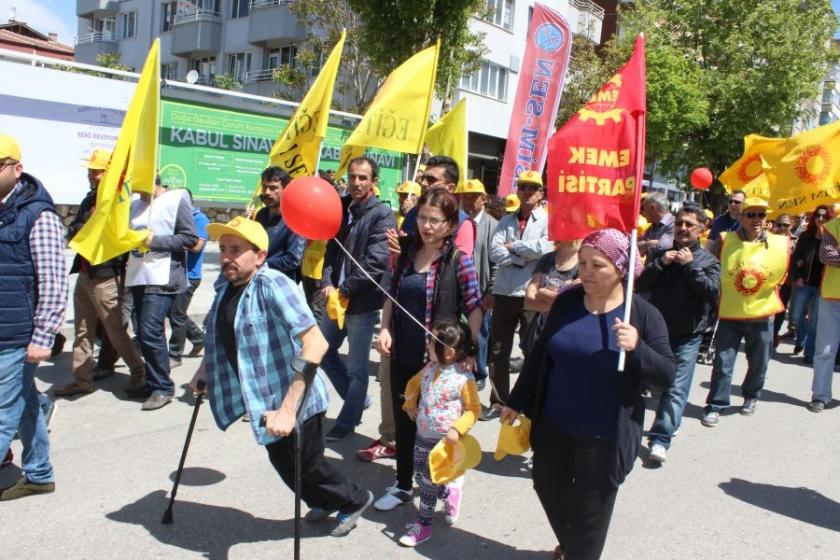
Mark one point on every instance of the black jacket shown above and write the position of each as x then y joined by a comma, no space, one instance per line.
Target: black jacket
365,239
108,269
807,250
687,295
652,361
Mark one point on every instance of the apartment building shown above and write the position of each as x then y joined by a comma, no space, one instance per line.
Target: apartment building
249,39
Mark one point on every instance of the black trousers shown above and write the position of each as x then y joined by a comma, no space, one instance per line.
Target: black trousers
314,297
321,484
571,478
182,326
405,428
508,315
784,295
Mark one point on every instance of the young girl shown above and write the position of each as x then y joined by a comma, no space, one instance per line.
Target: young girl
448,407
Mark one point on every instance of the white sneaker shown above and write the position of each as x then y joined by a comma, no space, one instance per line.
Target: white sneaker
658,453
392,498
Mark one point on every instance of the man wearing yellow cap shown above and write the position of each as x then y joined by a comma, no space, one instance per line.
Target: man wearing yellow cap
408,192
753,263
262,348
519,241
33,295
98,303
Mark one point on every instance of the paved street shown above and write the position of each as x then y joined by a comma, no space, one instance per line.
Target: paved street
762,487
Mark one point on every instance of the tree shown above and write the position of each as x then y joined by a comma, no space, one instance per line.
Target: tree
718,71
393,30
226,81
110,60
585,75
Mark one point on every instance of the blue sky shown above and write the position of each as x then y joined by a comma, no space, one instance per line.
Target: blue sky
59,16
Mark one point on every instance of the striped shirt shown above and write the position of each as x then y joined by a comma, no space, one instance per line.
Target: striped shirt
46,242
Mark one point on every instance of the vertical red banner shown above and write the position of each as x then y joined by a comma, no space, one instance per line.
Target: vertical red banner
541,78
596,160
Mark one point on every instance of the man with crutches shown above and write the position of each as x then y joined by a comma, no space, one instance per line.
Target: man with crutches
262,348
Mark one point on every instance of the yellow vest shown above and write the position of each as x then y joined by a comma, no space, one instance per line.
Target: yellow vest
313,259
750,275
830,286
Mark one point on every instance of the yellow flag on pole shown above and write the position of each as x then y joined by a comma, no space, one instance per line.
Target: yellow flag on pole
396,118
448,137
297,148
749,166
132,169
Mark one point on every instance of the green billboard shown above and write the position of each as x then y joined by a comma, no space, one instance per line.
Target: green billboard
219,153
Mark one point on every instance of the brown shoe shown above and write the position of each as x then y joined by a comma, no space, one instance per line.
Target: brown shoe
74,388
23,488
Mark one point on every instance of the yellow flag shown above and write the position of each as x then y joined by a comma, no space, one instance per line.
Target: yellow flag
396,118
296,149
132,169
749,166
804,171
448,137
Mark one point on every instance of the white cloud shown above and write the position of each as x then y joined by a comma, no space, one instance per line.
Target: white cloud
39,15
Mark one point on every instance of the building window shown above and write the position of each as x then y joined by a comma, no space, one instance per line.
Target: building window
501,13
206,68
106,28
275,58
167,16
490,80
239,64
169,71
128,24
239,8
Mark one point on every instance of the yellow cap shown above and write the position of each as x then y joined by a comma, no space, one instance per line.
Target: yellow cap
754,202
243,228
532,177
98,159
709,214
409,187
9,148
448,461
471,186
513,440
512,202
376,191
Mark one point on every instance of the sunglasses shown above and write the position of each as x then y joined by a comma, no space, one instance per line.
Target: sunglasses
685,223
821,216
783,226
431,179
754,215
736,202
528,187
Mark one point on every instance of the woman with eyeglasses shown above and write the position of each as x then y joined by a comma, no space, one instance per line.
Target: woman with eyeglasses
807,273
433,281
783,225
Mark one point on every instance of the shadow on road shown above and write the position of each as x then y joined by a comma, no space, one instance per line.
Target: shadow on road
802,504
512,465
198,476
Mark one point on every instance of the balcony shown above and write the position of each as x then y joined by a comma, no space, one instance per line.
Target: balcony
197,34
90,45
590,17
272,24
86,8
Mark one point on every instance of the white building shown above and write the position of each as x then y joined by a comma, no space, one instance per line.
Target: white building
251,38
825,108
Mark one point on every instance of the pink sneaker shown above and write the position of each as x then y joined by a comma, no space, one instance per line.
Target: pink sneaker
453,505
417,533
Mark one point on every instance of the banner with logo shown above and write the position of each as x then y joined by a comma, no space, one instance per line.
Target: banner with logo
596,160
547,49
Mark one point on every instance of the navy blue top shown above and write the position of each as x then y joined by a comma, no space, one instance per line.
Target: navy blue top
722,223
409,339
582,393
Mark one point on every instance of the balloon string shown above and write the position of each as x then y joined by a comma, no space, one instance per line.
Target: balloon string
384,291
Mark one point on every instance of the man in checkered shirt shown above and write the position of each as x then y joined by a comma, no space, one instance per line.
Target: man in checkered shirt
33,295
262,347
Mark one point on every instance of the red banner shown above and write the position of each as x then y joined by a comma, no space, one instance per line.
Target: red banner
541,78
596,160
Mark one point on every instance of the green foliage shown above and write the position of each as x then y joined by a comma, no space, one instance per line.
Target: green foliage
585,75
296,78
394,30
110,60
226,81
747,66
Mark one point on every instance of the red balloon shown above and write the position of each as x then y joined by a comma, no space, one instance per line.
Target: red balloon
702,178
311,207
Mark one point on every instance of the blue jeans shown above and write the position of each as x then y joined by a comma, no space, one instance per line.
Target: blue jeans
20,410
152,310
351,380
483,346
828,339
806,331
672,402
757,336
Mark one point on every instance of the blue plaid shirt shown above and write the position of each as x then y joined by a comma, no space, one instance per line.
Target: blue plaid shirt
271,315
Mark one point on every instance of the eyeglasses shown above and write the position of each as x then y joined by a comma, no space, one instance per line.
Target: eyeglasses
754,215
736,202
783,226
528,187
431,179
7,163
821,216
434,222
685,223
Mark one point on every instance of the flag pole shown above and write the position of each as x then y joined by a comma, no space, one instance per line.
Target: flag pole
628,294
